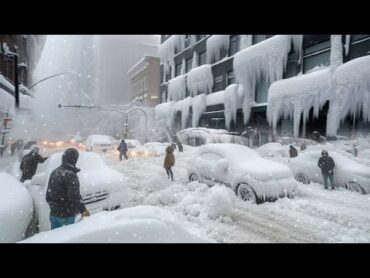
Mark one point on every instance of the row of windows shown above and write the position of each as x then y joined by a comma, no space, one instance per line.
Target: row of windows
140,86
234,47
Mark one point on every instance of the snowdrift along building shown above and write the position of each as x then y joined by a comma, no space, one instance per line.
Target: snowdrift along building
285,85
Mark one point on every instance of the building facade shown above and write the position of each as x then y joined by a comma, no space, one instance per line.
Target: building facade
237,76
144,81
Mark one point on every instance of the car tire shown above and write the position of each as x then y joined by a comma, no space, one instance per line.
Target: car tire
194,177
354,186
300,177
246,192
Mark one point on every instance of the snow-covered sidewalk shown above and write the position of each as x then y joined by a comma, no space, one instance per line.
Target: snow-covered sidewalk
314,215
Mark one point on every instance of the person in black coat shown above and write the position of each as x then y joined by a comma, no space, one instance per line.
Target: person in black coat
63,192
122,148
30,162
327,165
293,151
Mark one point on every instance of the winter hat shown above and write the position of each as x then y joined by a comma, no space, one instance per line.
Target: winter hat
35,149
324,152
70,156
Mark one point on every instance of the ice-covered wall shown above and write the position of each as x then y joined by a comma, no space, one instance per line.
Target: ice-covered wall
346,87
200,80
351,84
177,88
292,97
165,112
215,44
168,48
263,61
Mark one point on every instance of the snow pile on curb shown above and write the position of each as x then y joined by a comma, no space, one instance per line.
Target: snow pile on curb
220,202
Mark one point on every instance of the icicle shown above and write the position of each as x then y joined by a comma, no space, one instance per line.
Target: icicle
215,44
195,60
231,102
185,111
183,67
177,88
199,104
336,52
346,46
200,80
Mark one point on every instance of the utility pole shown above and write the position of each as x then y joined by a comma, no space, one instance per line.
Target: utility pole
16,82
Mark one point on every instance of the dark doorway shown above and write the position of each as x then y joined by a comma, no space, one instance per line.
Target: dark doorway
316,124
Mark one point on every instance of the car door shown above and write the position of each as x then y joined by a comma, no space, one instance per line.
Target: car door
209,171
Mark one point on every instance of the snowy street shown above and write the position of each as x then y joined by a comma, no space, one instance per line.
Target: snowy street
314,215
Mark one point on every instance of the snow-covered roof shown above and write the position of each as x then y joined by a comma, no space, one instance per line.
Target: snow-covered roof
140,66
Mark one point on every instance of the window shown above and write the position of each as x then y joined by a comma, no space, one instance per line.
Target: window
218,84
199,37
178,69
188,64
360,46
316,55
259,38
202,58
187,41
230,78
292,65
261,92
168,74
234,44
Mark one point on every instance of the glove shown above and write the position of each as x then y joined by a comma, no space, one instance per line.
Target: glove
85,213
330,172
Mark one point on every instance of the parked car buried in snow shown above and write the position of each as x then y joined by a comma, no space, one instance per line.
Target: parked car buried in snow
15,209
101,187
141,224
252,177
348,173
96,143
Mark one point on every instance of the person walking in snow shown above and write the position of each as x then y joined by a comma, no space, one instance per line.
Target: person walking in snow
169,161
63,192
30,162
293,151
327,165
122,148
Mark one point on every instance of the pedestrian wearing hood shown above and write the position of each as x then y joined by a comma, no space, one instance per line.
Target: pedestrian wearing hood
169,161
327,165
293,151
122,148
63,193
30,162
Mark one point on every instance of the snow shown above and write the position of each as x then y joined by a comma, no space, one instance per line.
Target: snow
166,112
177,88
352,92
263,61
220,202
15,209
6,102
200,80
336,51
185,110
215,98
142,224
199,105
214,45
292,97
232,101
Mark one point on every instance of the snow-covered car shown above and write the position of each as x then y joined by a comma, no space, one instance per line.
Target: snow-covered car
141,224
15,209
101,187
201,136
136,149
348,173
156,148
250,176
344,144
96,143
273,150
